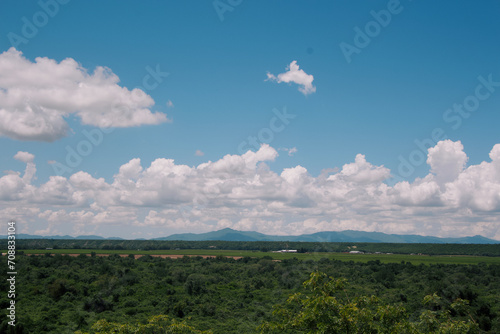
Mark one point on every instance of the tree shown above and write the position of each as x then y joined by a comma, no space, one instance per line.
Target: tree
195,284
328,309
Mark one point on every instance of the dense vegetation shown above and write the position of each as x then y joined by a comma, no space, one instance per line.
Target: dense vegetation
429,249
63,294
328,309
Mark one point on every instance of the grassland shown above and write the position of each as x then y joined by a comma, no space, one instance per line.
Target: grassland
383,258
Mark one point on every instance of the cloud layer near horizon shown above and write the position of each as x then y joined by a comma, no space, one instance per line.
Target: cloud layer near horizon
240,191
36,97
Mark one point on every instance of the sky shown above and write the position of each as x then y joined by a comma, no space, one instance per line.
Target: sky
144,119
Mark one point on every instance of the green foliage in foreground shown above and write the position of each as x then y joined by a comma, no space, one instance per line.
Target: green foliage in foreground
328,309
160,324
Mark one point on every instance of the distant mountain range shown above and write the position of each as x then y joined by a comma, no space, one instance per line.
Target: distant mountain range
228,234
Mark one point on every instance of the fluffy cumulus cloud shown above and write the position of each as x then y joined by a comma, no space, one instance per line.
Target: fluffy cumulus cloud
297,76
24,157
477,187
36,97
447,160
361,171
242,192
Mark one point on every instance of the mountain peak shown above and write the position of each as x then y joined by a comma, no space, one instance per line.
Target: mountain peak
227,229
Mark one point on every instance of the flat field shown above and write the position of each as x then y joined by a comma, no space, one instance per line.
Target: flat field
383,258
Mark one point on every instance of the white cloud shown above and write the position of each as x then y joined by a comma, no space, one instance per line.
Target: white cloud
294,175
241,191
290,151
13,186
36,97
295,75
422,192
170,104
24,157
58,191
477,187
361,171
447,160
23,215
199,153
131,170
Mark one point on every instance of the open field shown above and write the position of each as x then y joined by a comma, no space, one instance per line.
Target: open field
383,258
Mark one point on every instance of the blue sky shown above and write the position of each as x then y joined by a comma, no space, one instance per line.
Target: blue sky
417,61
